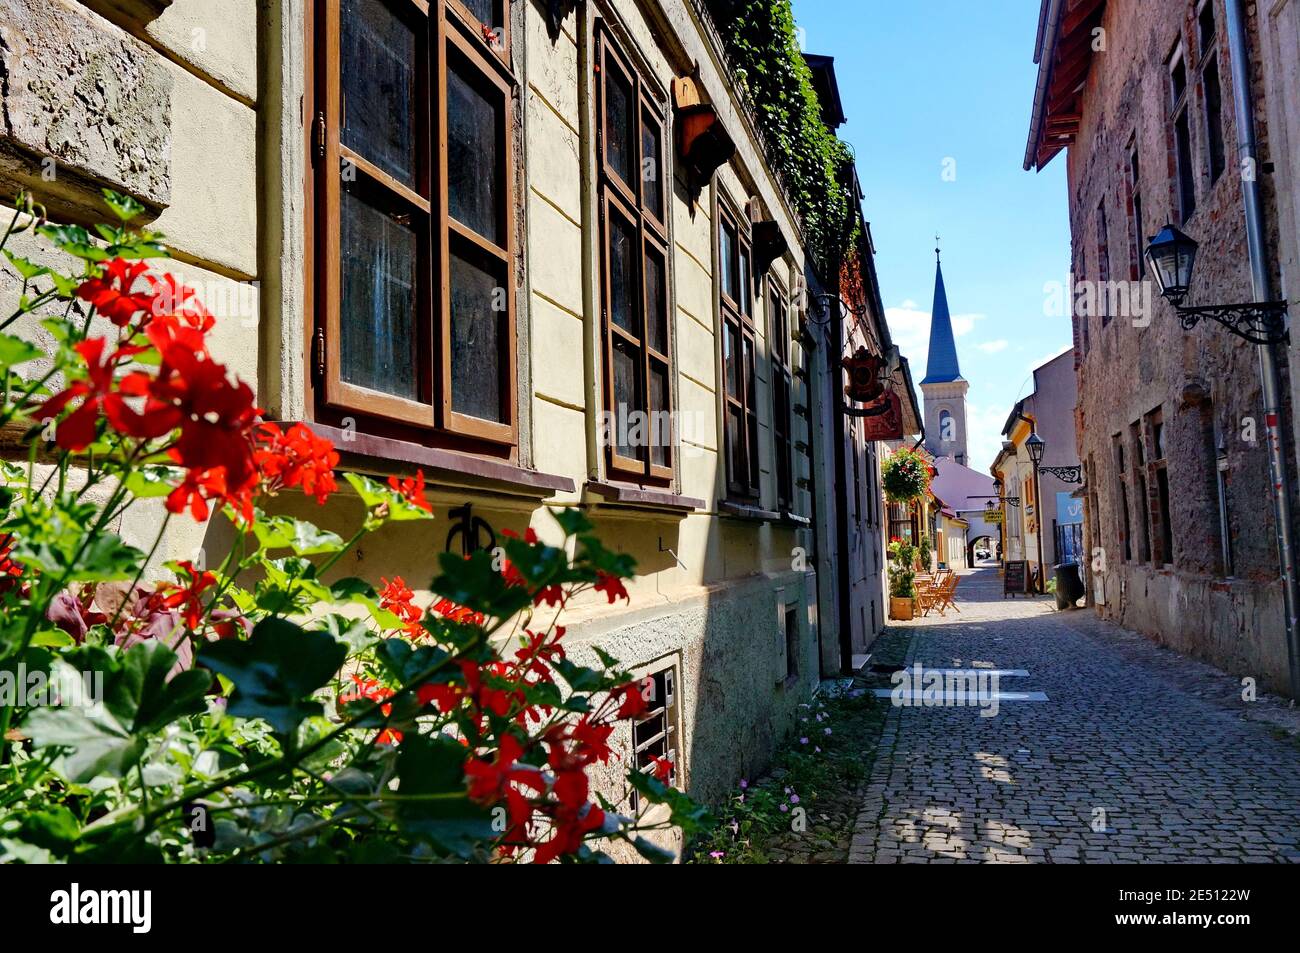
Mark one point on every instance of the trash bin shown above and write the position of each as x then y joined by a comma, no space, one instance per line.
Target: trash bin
1069,585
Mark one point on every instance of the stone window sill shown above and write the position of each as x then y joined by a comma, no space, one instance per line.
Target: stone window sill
613,493
747,511
371,453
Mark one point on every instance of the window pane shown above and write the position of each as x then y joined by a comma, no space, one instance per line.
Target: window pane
475,147
656,303
660,428
478,334
620,120
727,254
652,195
377,314
483,10
623,290
753,451
735,446
749,374
378,71
743,300
626,399
730,360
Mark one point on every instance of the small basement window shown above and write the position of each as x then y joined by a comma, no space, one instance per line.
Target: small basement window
657,734
790,613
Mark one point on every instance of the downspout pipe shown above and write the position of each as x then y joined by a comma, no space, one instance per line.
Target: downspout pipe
1247,151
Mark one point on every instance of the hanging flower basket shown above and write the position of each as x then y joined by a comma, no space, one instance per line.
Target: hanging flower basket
905,476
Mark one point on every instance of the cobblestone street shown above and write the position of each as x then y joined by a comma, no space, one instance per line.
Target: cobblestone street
1136,755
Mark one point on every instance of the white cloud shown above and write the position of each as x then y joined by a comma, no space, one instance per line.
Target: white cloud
909,326
993,347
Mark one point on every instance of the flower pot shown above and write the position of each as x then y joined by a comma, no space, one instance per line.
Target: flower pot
901,608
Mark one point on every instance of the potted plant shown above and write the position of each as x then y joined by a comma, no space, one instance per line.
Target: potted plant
924,554
902,591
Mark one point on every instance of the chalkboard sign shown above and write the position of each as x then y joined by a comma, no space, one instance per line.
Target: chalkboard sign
1016,578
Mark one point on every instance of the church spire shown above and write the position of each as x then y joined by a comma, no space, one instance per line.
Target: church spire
942,365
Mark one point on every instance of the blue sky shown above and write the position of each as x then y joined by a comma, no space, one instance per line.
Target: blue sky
935,85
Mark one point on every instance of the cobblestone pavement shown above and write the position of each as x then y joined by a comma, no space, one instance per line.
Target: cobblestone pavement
1137,755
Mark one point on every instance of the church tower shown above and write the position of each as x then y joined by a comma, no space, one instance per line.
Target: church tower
944,387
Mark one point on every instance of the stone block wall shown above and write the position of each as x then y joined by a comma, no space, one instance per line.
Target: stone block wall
1204,384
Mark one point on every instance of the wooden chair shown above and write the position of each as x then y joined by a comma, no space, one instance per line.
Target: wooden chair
947,591
927,595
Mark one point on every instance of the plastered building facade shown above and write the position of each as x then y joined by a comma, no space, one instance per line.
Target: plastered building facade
302,159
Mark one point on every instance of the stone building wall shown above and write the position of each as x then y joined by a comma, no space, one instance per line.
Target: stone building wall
1204,383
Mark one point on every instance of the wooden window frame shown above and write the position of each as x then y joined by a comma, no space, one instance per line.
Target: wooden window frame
629,201
778,308
745,486
1207,66
1133,189
1180,131
444,31
1103,263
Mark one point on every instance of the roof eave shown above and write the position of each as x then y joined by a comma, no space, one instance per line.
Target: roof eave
1049,22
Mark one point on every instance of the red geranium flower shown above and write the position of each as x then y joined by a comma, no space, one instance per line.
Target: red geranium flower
412,490
450,610
296,458
77,430
111,294
173,299
188,598
370,690
612,586
396,597
198,487
633,704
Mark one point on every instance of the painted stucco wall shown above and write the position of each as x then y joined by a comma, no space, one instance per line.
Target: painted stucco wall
162,108
210,132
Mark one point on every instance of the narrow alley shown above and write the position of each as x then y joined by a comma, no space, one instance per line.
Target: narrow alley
1136,754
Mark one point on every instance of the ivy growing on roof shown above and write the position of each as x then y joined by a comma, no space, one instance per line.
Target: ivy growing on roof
763,50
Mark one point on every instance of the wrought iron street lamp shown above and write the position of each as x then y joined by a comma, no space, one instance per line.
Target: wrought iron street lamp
1171,257
1036,446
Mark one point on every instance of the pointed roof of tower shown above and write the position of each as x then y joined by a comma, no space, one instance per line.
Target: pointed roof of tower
942,365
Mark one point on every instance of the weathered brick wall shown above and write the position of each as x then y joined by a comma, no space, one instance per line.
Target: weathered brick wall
1204,382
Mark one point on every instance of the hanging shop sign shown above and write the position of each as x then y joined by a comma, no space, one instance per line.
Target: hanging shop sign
884,419
865,385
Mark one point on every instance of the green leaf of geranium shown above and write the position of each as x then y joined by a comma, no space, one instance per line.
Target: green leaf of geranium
374,494
276,670
123,206
435,806
152,481
74,240
109,736
475,584
572,521
304,538
27,269
653,852
14,351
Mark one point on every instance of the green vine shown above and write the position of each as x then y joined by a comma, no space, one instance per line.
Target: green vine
763,49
